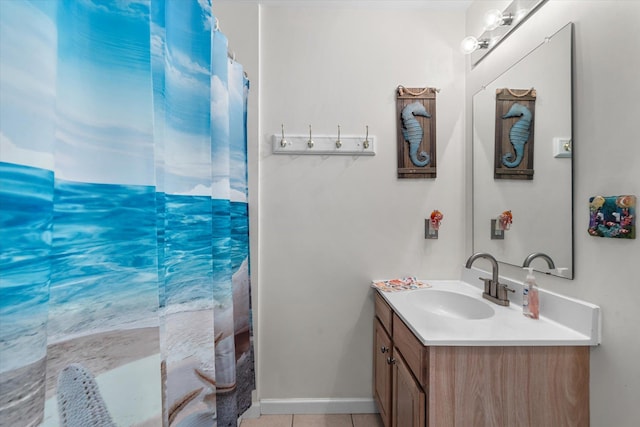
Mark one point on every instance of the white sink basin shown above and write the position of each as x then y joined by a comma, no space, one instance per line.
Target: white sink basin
453,313
451,304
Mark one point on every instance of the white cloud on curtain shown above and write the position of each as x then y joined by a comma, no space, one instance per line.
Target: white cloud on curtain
123,216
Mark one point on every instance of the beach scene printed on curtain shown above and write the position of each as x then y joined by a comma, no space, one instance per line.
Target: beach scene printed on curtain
123,216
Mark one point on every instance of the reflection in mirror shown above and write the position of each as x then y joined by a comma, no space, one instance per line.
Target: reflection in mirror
541,207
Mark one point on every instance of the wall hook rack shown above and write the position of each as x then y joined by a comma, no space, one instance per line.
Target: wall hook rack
349,145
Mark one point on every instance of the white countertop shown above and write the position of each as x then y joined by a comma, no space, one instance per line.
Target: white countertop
569,321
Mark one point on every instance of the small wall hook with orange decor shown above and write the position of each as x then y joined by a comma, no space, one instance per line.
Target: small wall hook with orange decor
500,225
505,219
432,225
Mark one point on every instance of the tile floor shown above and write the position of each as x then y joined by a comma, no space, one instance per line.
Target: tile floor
325,420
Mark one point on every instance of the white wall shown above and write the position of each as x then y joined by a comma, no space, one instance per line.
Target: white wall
606,155
331,224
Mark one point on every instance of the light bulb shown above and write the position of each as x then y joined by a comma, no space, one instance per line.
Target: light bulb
469,44
492,19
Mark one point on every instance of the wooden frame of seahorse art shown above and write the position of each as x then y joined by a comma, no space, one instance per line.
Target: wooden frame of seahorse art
515,114
416,123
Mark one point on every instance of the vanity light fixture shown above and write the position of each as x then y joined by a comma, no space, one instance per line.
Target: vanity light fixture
497,26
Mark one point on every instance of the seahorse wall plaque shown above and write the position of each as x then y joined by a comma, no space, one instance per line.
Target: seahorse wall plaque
515,113
416,118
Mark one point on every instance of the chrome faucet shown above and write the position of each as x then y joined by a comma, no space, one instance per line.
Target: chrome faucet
535,255
494,291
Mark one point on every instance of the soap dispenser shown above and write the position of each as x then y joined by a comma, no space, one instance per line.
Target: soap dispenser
530,298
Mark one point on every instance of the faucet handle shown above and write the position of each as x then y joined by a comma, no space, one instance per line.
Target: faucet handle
487,284
502,291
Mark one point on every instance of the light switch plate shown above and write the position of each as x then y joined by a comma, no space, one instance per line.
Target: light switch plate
429,232
496,232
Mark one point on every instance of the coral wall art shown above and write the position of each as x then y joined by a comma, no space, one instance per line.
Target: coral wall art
416,115
515,110
613,216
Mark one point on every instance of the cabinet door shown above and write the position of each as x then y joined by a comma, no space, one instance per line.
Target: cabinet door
408,398
382,372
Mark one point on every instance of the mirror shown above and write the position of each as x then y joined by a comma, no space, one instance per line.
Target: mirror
542,207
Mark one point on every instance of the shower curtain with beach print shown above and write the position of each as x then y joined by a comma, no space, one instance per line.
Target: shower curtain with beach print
124,270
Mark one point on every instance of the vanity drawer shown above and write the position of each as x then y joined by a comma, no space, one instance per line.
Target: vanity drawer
383,312
414,353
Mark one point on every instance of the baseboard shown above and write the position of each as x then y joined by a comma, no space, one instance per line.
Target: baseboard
318,406
252,412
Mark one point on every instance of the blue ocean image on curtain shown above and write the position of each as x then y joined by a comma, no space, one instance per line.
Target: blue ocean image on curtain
123,216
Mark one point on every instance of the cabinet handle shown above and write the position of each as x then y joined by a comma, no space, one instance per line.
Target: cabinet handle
391,361
384,349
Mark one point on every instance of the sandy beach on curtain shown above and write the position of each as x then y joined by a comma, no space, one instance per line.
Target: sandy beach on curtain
116,357
181,376
131,393
104,351
101,352
21,393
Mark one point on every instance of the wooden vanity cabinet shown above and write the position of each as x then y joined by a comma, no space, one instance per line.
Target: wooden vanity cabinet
382,359
382,371
408,398
460,386
399,396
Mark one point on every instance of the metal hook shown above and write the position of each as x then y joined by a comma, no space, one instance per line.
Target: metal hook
283,142
365,144
310,142
217,25
338,142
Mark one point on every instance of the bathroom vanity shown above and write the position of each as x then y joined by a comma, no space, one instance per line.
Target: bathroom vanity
434,366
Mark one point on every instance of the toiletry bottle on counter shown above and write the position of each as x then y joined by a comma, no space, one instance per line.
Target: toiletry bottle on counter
530,298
